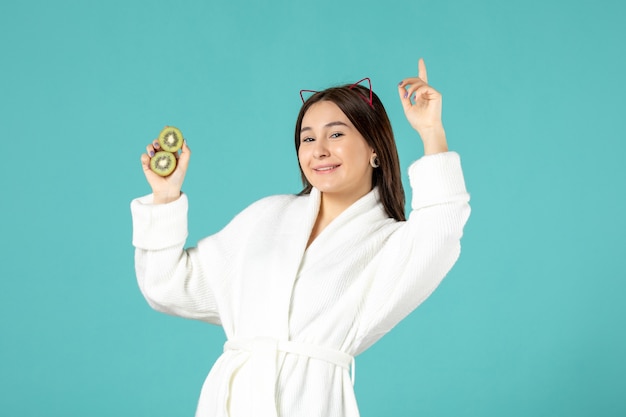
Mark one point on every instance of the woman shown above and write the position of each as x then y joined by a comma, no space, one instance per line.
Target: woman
303,283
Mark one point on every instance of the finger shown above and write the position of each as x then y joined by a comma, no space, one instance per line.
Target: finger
421,70
423,91
150,150
156,145
405,98
413,85
151,176
183,159
183,148
407,82
408,85
145,162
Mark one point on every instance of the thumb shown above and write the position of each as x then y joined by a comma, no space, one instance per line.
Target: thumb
183,159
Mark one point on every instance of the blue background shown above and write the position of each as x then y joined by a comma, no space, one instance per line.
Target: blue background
530,322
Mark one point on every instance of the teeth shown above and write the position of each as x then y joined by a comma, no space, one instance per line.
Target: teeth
326,169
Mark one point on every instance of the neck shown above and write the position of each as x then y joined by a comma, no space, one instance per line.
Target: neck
332,205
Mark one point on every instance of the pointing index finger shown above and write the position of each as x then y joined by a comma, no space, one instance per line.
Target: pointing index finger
421,70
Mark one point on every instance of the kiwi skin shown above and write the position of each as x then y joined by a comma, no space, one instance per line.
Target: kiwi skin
171,139
163,163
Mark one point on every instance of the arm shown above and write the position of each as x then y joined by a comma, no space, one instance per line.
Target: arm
423,250
420,253
170,278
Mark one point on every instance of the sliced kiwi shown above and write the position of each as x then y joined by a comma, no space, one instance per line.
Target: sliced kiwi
171,139
163,163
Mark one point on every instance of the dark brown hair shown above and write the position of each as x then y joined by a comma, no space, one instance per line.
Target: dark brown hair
373,124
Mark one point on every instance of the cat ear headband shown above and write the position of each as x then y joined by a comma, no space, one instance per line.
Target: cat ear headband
367,100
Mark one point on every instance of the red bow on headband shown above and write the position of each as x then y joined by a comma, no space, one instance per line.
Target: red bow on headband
368,101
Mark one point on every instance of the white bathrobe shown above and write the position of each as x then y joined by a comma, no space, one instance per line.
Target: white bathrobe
294,316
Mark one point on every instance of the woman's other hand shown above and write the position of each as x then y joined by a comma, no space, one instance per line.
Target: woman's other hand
165,189
422,108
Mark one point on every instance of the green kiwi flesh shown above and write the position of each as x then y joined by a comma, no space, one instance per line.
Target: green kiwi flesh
163,163
171,139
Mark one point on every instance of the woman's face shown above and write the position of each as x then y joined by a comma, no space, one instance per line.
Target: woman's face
333,155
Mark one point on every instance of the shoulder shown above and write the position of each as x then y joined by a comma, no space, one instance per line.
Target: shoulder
274,202
437,179
271,206
256,219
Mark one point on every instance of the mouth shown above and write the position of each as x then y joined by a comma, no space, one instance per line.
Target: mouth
325,169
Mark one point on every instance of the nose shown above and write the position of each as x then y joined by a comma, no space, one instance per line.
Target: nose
321,150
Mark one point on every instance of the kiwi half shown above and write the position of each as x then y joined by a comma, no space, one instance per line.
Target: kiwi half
163,163
171,139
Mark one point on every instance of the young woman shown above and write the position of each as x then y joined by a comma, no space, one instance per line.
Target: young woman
303,283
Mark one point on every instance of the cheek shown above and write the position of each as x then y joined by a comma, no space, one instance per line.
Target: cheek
301,156
359,156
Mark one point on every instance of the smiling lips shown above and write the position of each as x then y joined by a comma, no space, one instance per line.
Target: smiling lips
323,169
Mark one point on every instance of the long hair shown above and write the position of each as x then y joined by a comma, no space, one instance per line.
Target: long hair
373,124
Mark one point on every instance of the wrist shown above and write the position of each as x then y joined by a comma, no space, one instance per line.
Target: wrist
434,139
165,198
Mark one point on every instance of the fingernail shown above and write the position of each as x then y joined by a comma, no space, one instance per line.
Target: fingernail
151,153
406,95
156,144
400,83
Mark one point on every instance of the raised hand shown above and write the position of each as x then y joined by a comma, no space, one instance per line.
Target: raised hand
422,108
166,189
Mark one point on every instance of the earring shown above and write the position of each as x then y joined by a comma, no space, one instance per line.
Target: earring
374,161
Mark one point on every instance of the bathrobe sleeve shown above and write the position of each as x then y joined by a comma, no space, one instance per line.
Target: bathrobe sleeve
169,277
419,254
178,281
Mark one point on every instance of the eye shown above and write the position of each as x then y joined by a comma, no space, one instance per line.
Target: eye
307,139
336,135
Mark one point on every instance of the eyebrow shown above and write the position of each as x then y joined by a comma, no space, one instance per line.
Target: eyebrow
331,124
